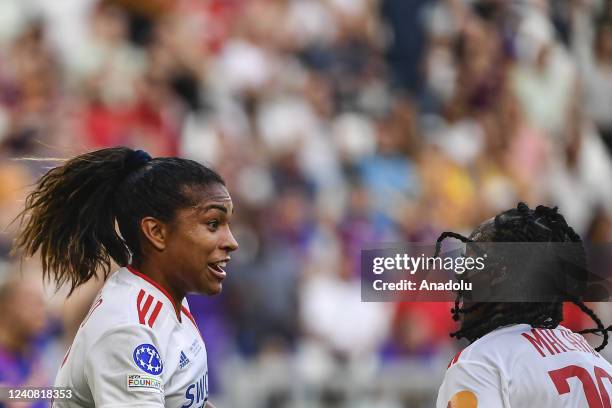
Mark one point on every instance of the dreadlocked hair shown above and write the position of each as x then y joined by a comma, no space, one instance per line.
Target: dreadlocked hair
71,214
522,224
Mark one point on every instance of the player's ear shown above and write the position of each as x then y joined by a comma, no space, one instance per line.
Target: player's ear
155,232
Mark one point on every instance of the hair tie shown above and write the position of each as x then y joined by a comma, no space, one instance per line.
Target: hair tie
135,160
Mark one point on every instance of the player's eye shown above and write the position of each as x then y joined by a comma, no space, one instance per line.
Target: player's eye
213,224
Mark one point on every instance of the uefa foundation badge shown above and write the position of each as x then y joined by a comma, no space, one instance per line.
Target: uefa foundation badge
148,359
143,382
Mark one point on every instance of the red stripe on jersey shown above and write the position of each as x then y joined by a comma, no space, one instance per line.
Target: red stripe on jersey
139,298
66,356
158,307
190,316
455,359
94,307
157,285
142,310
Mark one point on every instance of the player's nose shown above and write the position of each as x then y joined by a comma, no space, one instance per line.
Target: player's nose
229,244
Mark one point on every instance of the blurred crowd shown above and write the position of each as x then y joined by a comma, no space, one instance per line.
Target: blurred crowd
336,124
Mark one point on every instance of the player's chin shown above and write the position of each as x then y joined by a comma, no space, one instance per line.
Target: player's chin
210,286
213,289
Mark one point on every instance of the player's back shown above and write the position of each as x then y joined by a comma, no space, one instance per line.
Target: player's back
519,366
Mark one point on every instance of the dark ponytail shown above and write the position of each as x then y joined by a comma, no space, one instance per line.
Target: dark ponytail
70,216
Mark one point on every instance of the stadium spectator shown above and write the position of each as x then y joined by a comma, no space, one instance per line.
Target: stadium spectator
23,317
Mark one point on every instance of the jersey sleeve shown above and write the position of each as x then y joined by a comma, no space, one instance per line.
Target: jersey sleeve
124,368
472,385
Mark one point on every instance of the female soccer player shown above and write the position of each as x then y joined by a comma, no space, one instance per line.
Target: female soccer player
166,222
519,355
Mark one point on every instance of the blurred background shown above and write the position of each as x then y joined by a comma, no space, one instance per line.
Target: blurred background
336,124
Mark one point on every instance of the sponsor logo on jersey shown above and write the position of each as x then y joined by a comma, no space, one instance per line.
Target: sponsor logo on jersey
184,360
148,359
197,393
142,382
463,399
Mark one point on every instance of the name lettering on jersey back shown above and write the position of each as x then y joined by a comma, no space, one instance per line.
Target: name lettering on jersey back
196,393
144,305
548,343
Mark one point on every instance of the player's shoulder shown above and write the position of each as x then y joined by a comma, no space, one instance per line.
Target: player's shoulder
518,343
496,347
130,302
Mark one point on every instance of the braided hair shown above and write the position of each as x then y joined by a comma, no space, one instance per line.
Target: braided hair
522,224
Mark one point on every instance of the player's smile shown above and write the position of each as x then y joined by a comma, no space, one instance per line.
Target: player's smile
217,268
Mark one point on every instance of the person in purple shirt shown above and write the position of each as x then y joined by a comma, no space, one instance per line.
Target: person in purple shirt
23,317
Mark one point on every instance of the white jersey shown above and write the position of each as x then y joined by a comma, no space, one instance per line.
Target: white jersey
132,349
522,367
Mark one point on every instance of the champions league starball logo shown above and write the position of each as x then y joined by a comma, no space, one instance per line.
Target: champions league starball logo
147,359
